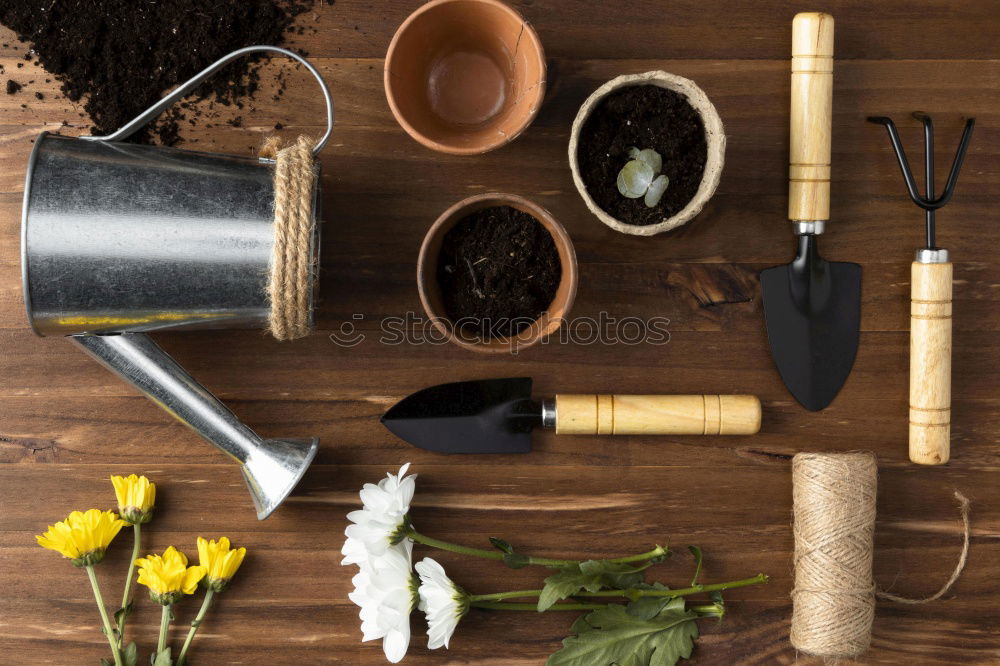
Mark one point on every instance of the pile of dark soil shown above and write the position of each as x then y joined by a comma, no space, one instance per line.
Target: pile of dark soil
498,270
120,56
644,116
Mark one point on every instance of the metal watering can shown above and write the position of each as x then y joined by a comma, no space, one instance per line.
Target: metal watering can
121,239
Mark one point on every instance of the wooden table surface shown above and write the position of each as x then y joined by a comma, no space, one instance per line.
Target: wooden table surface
66,424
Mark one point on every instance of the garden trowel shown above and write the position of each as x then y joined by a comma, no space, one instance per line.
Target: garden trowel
498,415
812,307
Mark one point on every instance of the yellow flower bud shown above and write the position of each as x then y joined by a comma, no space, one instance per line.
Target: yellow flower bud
168,577
219,561
82,537
136,496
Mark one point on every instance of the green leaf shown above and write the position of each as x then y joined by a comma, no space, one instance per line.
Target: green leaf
592,576
617,638
649,156
696,551
161,658
646,608
122,614
634,179
516,561
655,191
106,662
130,655
580,625
500,544
652,158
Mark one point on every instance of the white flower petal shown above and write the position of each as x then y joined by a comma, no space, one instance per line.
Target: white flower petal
383,588
443,602
378,522
395,644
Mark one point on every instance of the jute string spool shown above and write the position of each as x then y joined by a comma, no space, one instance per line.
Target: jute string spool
292,272
834,513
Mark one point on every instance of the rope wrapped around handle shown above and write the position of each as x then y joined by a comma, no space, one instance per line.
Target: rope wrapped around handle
289,284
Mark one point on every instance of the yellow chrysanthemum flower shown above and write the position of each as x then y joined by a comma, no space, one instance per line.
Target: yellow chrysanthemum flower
168,577
82,537
136,496
220,562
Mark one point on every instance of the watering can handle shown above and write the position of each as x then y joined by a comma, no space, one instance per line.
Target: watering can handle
131,127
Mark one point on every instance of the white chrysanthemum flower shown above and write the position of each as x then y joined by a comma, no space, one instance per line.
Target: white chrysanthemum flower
444,602
386,591
380,522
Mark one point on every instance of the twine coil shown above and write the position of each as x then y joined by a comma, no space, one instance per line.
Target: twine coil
834,514
289,284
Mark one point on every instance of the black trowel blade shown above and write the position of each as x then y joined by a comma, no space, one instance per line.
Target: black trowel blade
489,416
813,315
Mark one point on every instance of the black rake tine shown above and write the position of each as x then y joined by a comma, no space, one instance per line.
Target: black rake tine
956,165
911,186
904,165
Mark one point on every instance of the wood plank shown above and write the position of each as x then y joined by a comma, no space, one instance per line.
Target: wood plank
117,430
709,296
898,30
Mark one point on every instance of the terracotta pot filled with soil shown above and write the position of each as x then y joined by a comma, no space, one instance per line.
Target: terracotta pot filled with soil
646,152
496,273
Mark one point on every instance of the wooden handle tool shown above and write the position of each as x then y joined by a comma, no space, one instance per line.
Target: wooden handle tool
811,117
930,362
930,303
657,414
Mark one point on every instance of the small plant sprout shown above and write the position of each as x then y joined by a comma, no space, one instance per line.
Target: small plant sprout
641,176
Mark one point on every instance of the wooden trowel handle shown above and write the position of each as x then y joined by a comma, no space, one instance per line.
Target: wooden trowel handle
930,363
812,109
657,414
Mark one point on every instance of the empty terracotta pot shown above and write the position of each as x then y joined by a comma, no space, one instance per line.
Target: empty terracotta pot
430,289
465,76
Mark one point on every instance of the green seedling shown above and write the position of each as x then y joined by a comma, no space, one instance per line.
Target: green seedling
641,177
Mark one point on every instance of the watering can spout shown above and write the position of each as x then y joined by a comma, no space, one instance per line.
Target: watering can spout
274,470
271,467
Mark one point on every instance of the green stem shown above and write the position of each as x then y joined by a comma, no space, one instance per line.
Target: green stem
136,540
534,607
711,610
164,628
109,632
541,561
195,623
629,594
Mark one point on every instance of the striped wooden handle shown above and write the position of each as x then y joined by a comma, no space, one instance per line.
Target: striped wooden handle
657,414
811,116
930,363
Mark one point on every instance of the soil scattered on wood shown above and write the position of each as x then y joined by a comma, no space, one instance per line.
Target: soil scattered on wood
498,270
645,116
13,87
120,56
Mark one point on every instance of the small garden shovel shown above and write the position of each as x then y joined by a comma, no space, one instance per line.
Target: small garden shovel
812,307
498,415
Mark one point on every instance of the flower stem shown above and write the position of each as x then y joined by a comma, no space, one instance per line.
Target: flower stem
534,607
136,540
164,627
195,623
541,561
115,652
711,610
628,594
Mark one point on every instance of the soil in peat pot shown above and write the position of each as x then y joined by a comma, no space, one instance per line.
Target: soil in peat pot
498,270
644,116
